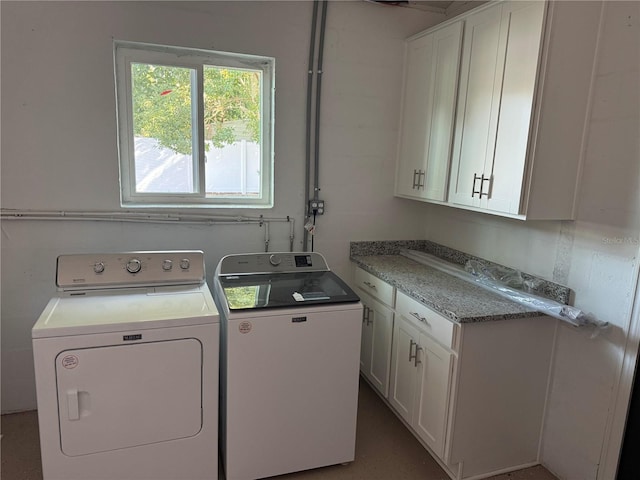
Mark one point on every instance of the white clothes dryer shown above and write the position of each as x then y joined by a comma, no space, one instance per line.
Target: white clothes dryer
126,363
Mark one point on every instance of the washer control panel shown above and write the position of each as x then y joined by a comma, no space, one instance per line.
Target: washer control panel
110,270
277,262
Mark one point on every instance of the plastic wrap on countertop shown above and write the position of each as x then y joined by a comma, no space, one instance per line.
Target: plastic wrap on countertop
509,283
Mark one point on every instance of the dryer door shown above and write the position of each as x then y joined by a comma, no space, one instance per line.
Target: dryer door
127,395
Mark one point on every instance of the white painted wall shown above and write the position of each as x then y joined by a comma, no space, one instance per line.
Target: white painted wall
59,149
596,256
360,112
59,152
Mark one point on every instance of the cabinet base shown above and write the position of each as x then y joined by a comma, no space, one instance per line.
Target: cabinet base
453,471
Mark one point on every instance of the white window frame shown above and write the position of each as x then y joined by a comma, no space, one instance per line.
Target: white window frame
126,53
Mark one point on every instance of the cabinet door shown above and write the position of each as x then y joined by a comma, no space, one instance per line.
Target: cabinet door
478,106
498,81
444,78
431,77
375,356
365,338
404,377
522,23
434,373
414,126
382,319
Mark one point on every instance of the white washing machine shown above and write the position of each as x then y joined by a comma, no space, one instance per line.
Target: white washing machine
126,362
290,359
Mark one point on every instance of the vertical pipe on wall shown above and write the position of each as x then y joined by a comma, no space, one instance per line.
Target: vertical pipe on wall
316,184
316,124
307,174
291,232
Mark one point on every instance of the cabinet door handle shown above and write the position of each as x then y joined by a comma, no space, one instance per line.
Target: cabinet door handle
480,192
366,316
482,180
473,187
412,356
416,361
415,184
420,319
370,285
421,177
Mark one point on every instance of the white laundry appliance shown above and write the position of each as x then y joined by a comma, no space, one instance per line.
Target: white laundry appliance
126,363
290,357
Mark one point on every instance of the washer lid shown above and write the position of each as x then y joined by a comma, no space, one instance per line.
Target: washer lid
126,310
283,290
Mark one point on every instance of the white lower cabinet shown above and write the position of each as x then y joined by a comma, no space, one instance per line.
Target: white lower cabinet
421,376
375,350
498,395
404,376
472,393
434,374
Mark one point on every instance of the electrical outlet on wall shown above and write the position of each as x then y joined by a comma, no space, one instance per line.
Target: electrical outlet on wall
316,207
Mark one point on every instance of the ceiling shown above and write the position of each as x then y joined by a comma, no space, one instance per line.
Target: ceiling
431,4
448,8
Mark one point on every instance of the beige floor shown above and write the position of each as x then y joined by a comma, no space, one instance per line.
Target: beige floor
385,450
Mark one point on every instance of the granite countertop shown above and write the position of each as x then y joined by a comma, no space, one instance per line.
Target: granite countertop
460,301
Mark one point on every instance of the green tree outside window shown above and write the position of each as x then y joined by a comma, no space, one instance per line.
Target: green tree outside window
162,105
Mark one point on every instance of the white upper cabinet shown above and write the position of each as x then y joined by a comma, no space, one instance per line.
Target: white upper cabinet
496,95
478,107
523,43
522,108
428,108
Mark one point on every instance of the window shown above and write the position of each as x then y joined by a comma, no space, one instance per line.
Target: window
195,127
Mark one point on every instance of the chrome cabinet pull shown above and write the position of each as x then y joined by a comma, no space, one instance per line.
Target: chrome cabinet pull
480,192
482,180
473,188
418,179
412,356
415,357
370,285
366,316
421,319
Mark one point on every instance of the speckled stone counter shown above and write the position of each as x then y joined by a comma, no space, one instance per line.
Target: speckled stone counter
461,301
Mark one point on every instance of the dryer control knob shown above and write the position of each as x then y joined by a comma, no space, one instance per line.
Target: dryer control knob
98,267
185,264
134,265
275,260
167,265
